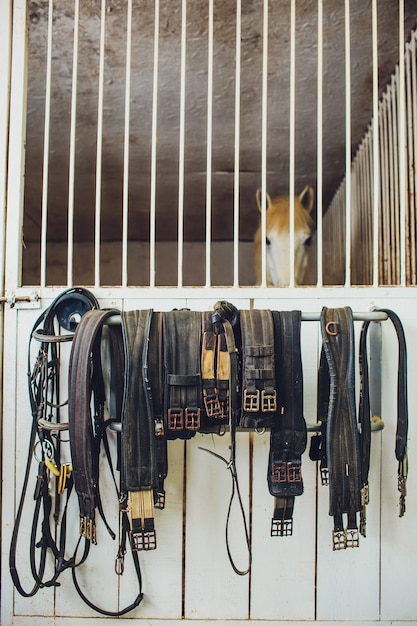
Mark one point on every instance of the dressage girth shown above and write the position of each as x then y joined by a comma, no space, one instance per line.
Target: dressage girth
259,396
288,437
139,456
182,373
343,446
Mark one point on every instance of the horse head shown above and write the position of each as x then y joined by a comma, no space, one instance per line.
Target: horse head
278,237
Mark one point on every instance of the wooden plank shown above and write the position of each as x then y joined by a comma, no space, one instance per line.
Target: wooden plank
212,589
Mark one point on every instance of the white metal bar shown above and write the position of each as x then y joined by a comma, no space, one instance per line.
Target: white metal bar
125,214
264,137
46,136
99,154
347,146
292,144
409,179
180,238
319,203
393,128
236,177
385,231
71,173
209,143
402,140
413,190
154,140
17,140
5,65
375,145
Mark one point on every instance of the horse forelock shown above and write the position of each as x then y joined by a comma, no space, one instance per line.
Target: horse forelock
278,216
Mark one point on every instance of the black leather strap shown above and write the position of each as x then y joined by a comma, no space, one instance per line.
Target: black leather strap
343,445
288,438
182,374
259,398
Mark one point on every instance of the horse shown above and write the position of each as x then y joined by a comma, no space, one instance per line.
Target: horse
278,237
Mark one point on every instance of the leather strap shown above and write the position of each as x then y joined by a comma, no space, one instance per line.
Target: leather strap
182,374
288,438
259,397
139,468
215,374
343,446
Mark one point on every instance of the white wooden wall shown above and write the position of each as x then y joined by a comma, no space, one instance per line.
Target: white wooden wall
298,578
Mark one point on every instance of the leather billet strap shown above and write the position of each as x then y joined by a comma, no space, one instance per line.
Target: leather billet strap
402,409
318,446
153,375
182,373
288,437
343,444
215,373
139,463
259,396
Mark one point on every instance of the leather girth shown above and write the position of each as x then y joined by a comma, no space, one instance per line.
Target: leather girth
182,374
288,437
139,466
85,431
259,397
343,445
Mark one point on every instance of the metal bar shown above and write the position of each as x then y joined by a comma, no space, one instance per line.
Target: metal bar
99,153
375,144
319,203
71,174
236,177
125,201
180,239
413,189
292,144
154,140
402,142
264,137
348,141
46,137
209,144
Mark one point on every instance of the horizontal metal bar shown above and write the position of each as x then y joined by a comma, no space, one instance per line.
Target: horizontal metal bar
367,316
311,428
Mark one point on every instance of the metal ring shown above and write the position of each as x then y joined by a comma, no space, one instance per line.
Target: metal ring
333,333
260,431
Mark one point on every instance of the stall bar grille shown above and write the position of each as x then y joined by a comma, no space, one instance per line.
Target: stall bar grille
383,223
379,224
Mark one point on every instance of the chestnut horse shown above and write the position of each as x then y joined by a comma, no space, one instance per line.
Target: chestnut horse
278,237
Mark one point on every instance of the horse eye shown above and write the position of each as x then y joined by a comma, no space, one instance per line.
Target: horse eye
308,241
268,241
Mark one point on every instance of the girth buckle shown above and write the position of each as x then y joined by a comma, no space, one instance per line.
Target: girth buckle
251,401
279,473
352,538
159,427
268,401
339,539
175,419
212,405
294,473
143,540
160,500
192,419
281,527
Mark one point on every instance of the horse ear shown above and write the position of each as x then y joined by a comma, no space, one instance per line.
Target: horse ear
306,198
259,199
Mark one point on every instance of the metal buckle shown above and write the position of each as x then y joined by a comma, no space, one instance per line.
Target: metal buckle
281,527
192,419
352,538
143,540
175,419
324,474
338,539
268,401
159,427
279,473
160,500
88,529
294,473
212,405
251,401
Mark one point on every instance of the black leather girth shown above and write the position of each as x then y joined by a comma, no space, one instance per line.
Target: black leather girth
343,445
139,469
288,432
182,375
85,381
259,398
